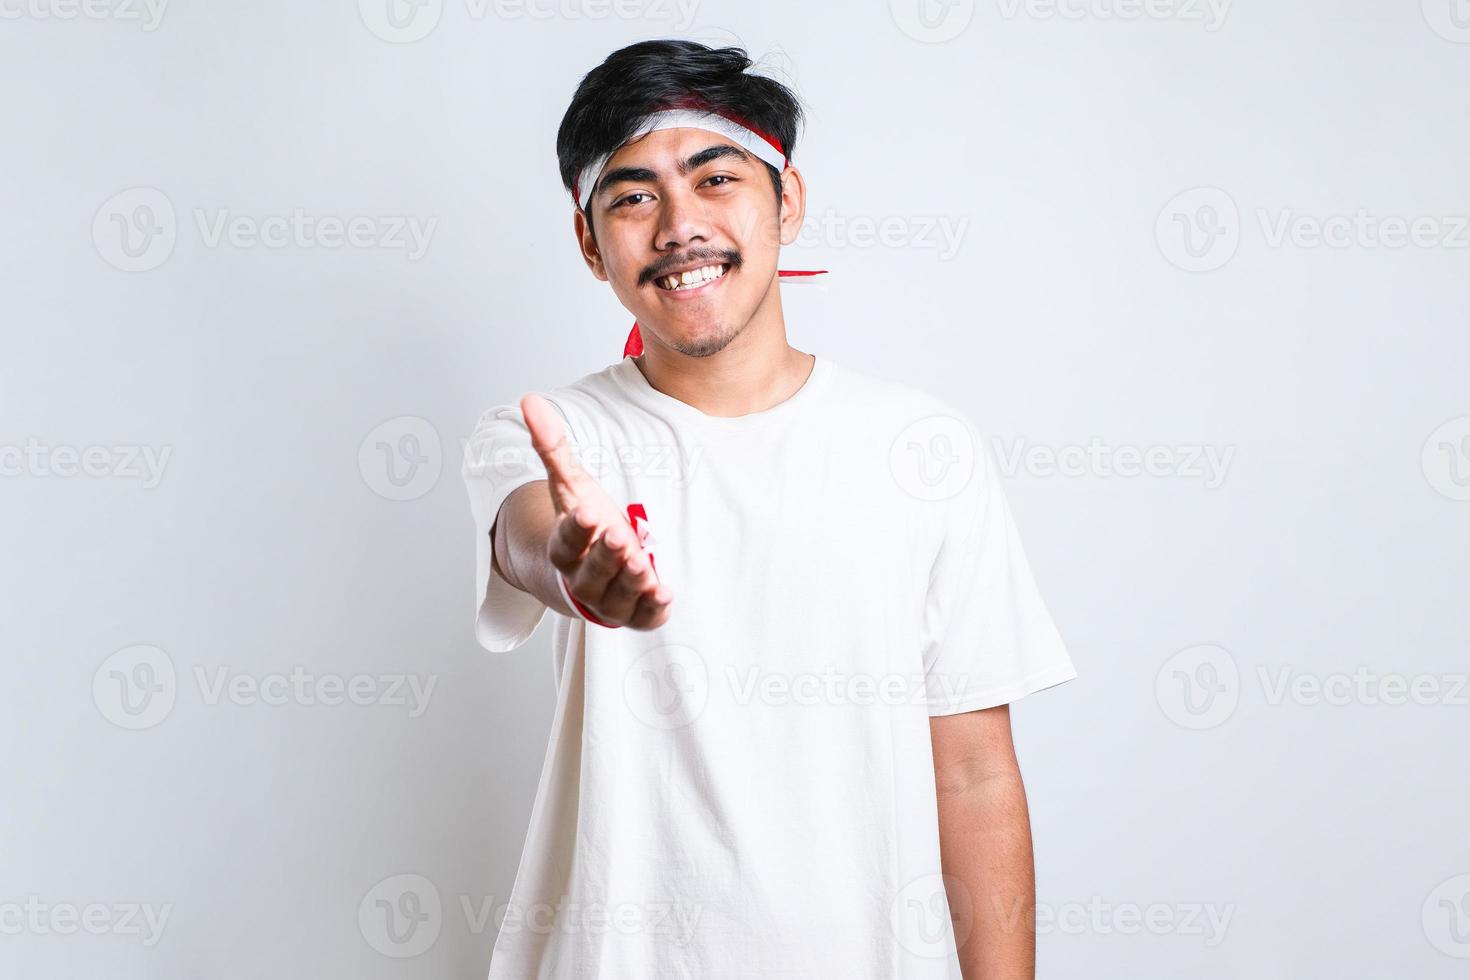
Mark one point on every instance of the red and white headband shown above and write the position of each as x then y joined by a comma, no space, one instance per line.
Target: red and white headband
753,140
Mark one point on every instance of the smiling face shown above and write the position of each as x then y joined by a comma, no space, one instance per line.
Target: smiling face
691,204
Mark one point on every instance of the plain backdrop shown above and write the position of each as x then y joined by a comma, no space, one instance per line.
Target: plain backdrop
1201,271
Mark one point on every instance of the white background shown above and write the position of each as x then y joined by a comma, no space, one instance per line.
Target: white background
1132,191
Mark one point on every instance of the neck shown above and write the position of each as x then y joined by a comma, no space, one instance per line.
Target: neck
757,370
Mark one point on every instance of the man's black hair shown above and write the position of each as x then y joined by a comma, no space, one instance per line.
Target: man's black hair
649,76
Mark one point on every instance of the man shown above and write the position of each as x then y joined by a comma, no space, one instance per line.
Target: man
792,606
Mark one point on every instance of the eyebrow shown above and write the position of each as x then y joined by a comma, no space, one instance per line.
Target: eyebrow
631,174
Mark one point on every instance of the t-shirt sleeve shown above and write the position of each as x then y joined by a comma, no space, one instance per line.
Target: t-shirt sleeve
988,638
498,459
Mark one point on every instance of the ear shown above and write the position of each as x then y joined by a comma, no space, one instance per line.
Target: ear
793,204
591,254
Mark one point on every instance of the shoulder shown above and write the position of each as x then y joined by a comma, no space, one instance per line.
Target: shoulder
899,402
596,391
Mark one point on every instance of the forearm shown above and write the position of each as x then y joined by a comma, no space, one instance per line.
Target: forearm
518,544
985,845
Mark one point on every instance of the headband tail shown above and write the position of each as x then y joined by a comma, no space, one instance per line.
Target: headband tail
634,345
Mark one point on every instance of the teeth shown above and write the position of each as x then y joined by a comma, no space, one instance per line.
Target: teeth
692,278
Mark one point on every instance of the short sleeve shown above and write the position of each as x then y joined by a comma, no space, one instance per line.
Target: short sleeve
988,638
498,459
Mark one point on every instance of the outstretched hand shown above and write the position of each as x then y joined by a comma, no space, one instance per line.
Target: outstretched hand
592,544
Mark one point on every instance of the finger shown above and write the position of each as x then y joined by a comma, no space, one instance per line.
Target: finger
634,577
569,539
604,559
549,439
653,609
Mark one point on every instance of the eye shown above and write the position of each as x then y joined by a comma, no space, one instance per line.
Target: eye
726,177
629,198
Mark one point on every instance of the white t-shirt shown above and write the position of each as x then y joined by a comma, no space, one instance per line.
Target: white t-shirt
748,790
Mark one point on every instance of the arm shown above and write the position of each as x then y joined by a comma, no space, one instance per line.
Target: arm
518,544
985,843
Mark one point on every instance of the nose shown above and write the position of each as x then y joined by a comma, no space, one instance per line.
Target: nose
683,221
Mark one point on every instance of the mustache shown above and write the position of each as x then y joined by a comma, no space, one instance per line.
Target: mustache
708,256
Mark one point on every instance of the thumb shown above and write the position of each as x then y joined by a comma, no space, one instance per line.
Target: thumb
549,439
